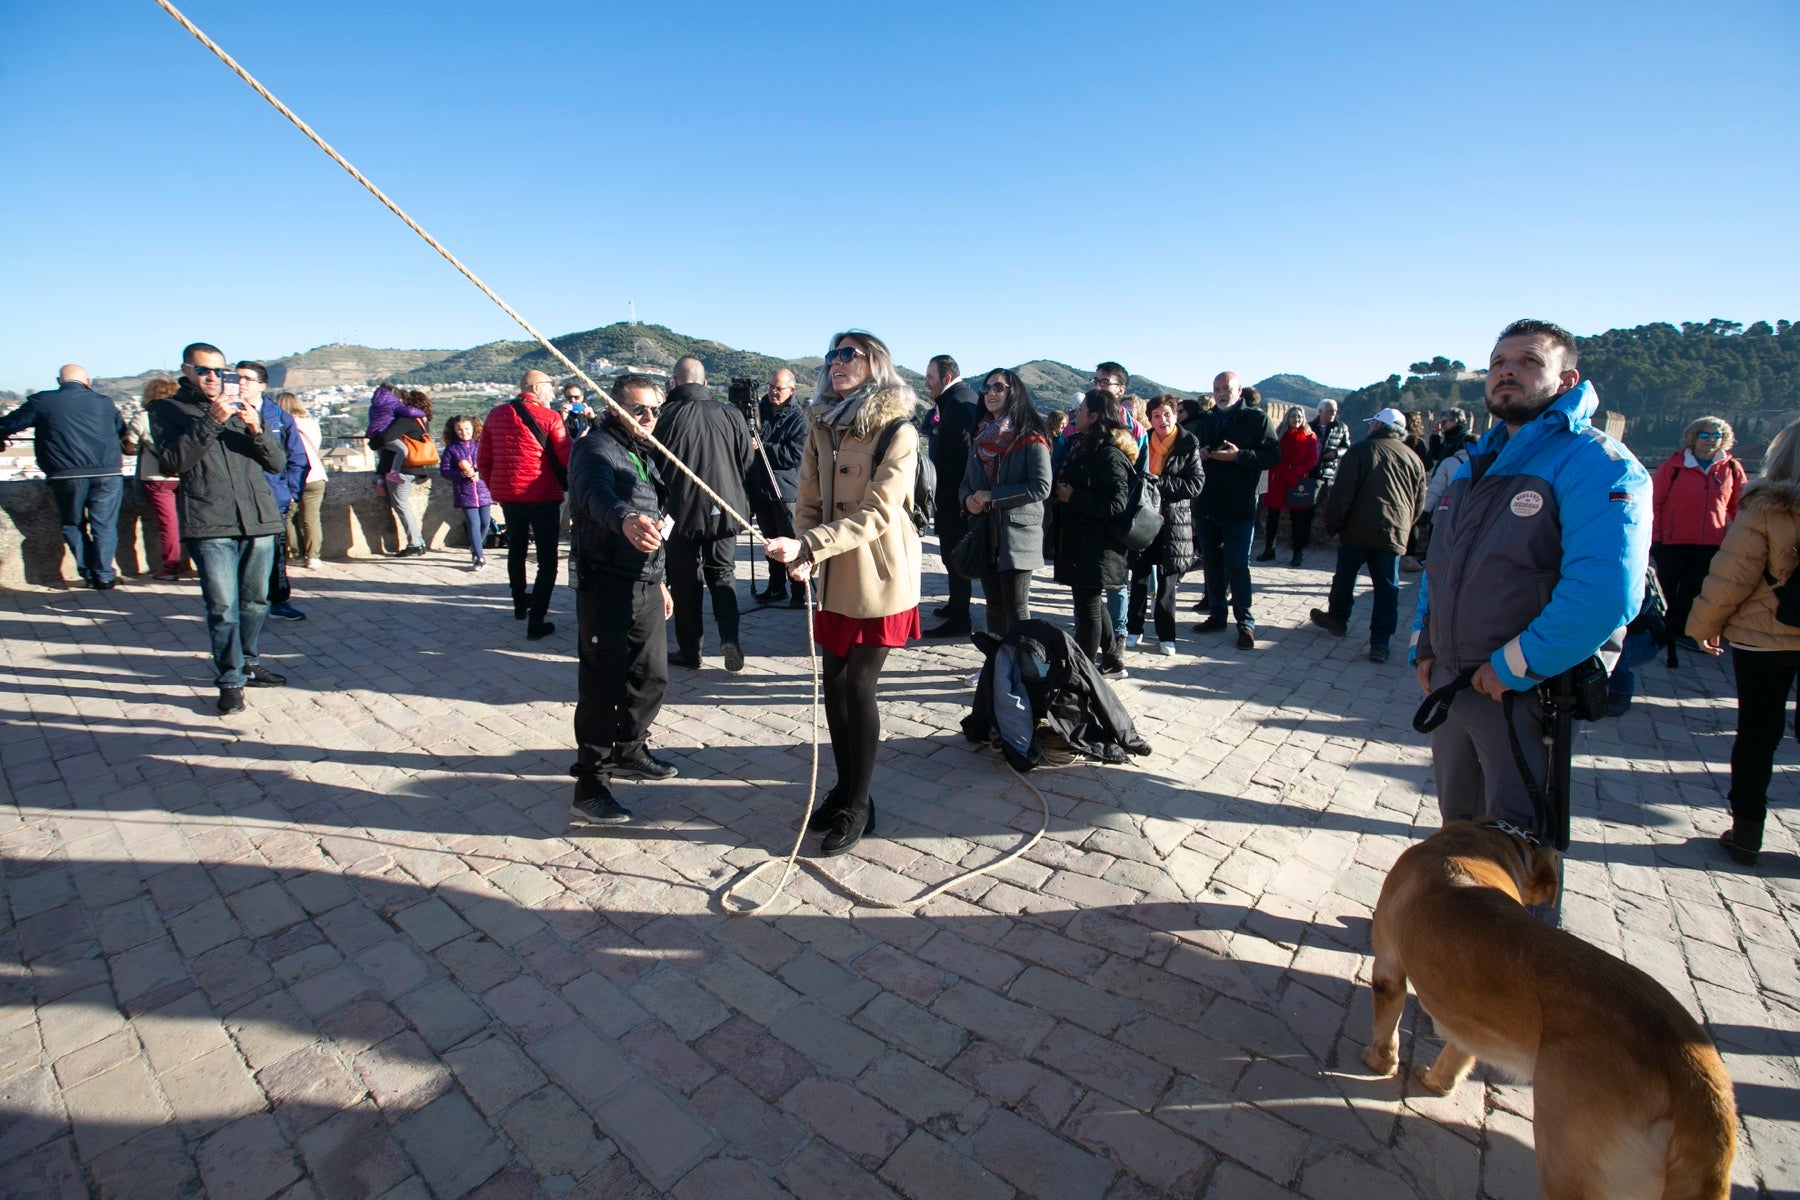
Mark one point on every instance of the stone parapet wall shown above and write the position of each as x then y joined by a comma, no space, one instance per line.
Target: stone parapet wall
357,524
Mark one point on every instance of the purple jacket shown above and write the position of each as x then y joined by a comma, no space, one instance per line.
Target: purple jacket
470,493
384,406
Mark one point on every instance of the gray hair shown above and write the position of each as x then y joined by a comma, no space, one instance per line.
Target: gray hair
1690,437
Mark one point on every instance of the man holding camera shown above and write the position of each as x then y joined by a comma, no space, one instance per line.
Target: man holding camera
577,417
218,443
781,433
1537,564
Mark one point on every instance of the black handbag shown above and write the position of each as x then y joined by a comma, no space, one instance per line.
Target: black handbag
978,549
1142,519
1302,494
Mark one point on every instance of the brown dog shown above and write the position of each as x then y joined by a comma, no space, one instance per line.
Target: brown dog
1631,1097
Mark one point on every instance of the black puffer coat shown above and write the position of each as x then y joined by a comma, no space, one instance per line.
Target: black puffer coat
1098,472
611,476
713,439
1181,481
1037,673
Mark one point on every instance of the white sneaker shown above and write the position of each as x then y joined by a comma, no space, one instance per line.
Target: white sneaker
1134,640
479,564
1166,649
315,563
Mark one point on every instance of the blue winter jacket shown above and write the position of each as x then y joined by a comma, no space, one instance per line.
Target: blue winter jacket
291,479
1538,549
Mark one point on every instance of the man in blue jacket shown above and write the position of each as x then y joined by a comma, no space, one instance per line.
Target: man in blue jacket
77,446
1537,563
286,483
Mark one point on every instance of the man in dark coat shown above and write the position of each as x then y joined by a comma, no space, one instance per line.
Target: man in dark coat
1379,493
1334,441
958,409
616,503
781,434
712,439
1451,435
217,442
1238,444
77,433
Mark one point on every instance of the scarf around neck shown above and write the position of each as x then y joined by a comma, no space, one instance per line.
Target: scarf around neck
993,438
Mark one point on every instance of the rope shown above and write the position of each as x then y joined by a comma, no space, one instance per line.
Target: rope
450,258
619,411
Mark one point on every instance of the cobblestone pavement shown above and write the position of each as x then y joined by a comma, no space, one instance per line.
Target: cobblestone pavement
345,945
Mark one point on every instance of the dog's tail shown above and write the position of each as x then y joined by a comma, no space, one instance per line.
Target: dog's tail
1704,1138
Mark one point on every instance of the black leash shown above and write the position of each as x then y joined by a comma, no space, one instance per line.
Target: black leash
1436,710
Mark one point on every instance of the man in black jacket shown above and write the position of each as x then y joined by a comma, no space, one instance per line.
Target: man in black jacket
712,439
77,433
217,442
1239,443
958,408
1334,442
781,433
616,504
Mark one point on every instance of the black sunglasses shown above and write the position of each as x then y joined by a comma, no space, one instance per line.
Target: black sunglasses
844,354
198,370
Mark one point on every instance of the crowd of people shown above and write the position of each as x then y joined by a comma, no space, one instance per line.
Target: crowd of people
1533,539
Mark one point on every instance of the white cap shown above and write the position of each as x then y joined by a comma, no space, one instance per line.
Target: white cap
1390,416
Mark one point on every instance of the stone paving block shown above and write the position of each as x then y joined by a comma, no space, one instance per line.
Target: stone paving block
495,1072
210,1090
827,1039
555,1134
354,1153
35,1115
995,1018
912,1028
822,1172
113,1107
584,1062
681,1003
913,1089
247,1160
402,1074
755,1057
454,1148
1151,1151
924,1168
48,1173
752,1126
154,1163
1037,1162
266,1030
309,1085
1271,1147
661,1134
528,1008
442,1013
748,989
431,923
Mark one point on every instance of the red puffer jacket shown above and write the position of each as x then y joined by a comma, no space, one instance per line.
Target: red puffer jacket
1299,455
512,462
1694,505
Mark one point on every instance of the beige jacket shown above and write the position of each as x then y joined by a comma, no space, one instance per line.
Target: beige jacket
1737,599
851,512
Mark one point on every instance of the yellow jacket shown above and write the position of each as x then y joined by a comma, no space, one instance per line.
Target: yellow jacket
1737,599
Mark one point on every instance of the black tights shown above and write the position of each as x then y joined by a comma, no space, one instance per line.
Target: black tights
851,715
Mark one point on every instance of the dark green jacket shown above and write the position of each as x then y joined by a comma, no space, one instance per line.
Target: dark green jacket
1378,493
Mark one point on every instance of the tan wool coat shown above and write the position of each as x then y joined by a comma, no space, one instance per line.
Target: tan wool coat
851,512
1737,599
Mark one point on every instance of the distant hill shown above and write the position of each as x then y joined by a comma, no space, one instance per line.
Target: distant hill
621,345
337,364
1298,389
1055,384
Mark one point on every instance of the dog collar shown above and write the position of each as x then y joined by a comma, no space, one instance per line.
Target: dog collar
1522,838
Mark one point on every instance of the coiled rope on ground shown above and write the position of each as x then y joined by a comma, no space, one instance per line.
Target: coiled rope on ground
619,412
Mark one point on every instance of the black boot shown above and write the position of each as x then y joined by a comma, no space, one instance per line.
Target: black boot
825,815
1743,841
856,818
1268,553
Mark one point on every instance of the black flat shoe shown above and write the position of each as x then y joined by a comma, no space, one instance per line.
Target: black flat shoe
826,813
1740,854
849,827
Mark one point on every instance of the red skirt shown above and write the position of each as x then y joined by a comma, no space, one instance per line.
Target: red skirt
836,633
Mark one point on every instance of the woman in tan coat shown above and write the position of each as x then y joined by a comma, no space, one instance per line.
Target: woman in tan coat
854,535
1737,604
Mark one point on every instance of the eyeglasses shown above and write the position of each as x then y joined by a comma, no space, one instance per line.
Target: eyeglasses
199,370
640,411
844,354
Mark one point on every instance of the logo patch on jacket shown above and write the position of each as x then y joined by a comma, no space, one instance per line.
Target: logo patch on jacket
1527,504
1619,497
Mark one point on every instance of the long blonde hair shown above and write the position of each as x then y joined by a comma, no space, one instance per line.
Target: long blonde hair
1782,463
882,375
291,405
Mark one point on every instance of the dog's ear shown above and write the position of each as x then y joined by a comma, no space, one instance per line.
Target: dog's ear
1543,879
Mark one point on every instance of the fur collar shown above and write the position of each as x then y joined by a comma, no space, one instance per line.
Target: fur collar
1772,496
862,413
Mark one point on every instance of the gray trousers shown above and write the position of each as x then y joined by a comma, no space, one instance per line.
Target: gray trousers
1477,776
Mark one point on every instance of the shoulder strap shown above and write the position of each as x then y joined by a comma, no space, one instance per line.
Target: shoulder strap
543,441
885,442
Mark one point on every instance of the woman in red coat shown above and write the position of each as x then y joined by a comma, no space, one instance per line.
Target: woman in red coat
1694,498
1299,455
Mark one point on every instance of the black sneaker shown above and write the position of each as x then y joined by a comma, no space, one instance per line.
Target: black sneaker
599,810
1378,654
286,612
537,633
231,700
1211,625
797,599
677,659
1329,623
734,657
1112,667
1246,638
263,677
769,596
638,763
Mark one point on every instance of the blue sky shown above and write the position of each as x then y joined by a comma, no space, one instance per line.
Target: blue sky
1334,190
